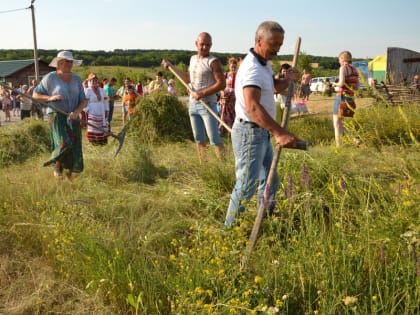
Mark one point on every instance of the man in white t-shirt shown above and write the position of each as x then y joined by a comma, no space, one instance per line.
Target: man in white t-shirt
255,119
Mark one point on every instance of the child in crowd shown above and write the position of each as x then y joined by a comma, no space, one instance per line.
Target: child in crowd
128,104
7,104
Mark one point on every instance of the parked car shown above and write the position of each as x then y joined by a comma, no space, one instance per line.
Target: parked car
318,84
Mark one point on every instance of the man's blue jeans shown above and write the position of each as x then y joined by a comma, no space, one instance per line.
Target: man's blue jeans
202,121
253,156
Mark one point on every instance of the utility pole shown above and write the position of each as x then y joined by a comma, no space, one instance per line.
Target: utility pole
35,45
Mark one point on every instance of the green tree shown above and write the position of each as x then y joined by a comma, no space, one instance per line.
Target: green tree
304,62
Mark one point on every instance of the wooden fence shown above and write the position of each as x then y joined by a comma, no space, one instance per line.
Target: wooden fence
399,94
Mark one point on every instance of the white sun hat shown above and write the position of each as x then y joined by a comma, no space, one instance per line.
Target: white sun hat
65,55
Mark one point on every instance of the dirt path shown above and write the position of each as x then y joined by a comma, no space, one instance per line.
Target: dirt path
319,104
14,119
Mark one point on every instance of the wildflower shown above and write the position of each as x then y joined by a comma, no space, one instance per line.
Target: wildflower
305,177
290,189
233,311
407,203
208,307
279,303
343,185
374,298
272,310
285,297
247,293
172,257
199,290
257,279
349,300
409,234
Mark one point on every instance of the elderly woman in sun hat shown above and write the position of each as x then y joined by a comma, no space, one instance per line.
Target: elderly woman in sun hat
64,91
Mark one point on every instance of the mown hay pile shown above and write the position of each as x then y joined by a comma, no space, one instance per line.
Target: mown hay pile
22,141
160,118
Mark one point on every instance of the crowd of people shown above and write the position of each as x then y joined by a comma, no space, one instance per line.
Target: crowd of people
14,104
242,97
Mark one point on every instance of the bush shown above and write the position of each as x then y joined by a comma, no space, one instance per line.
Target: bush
22,141
160,118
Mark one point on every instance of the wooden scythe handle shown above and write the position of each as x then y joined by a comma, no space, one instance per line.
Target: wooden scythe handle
273,169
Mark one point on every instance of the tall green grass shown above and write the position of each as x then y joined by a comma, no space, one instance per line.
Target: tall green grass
142,233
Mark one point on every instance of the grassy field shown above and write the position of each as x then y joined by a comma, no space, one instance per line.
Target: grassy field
142,232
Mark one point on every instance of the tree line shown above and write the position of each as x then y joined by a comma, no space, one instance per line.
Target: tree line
148,58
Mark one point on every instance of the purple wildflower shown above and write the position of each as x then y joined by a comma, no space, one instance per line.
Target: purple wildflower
290,189
343,185
305,177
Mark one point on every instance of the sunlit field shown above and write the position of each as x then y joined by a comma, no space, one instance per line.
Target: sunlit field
142,232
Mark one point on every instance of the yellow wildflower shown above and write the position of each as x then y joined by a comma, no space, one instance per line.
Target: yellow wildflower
349,300
247,293
257,279
208,307
199,290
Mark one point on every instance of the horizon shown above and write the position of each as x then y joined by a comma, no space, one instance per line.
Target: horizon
142,49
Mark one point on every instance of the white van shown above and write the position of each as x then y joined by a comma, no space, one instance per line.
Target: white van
318,84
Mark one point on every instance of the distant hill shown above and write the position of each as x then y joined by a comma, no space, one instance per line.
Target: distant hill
144,57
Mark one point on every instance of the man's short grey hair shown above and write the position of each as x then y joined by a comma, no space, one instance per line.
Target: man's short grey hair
265,29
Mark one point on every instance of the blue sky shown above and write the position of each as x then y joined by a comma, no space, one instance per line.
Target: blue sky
325,26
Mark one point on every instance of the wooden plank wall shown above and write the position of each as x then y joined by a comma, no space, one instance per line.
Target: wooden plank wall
402,65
